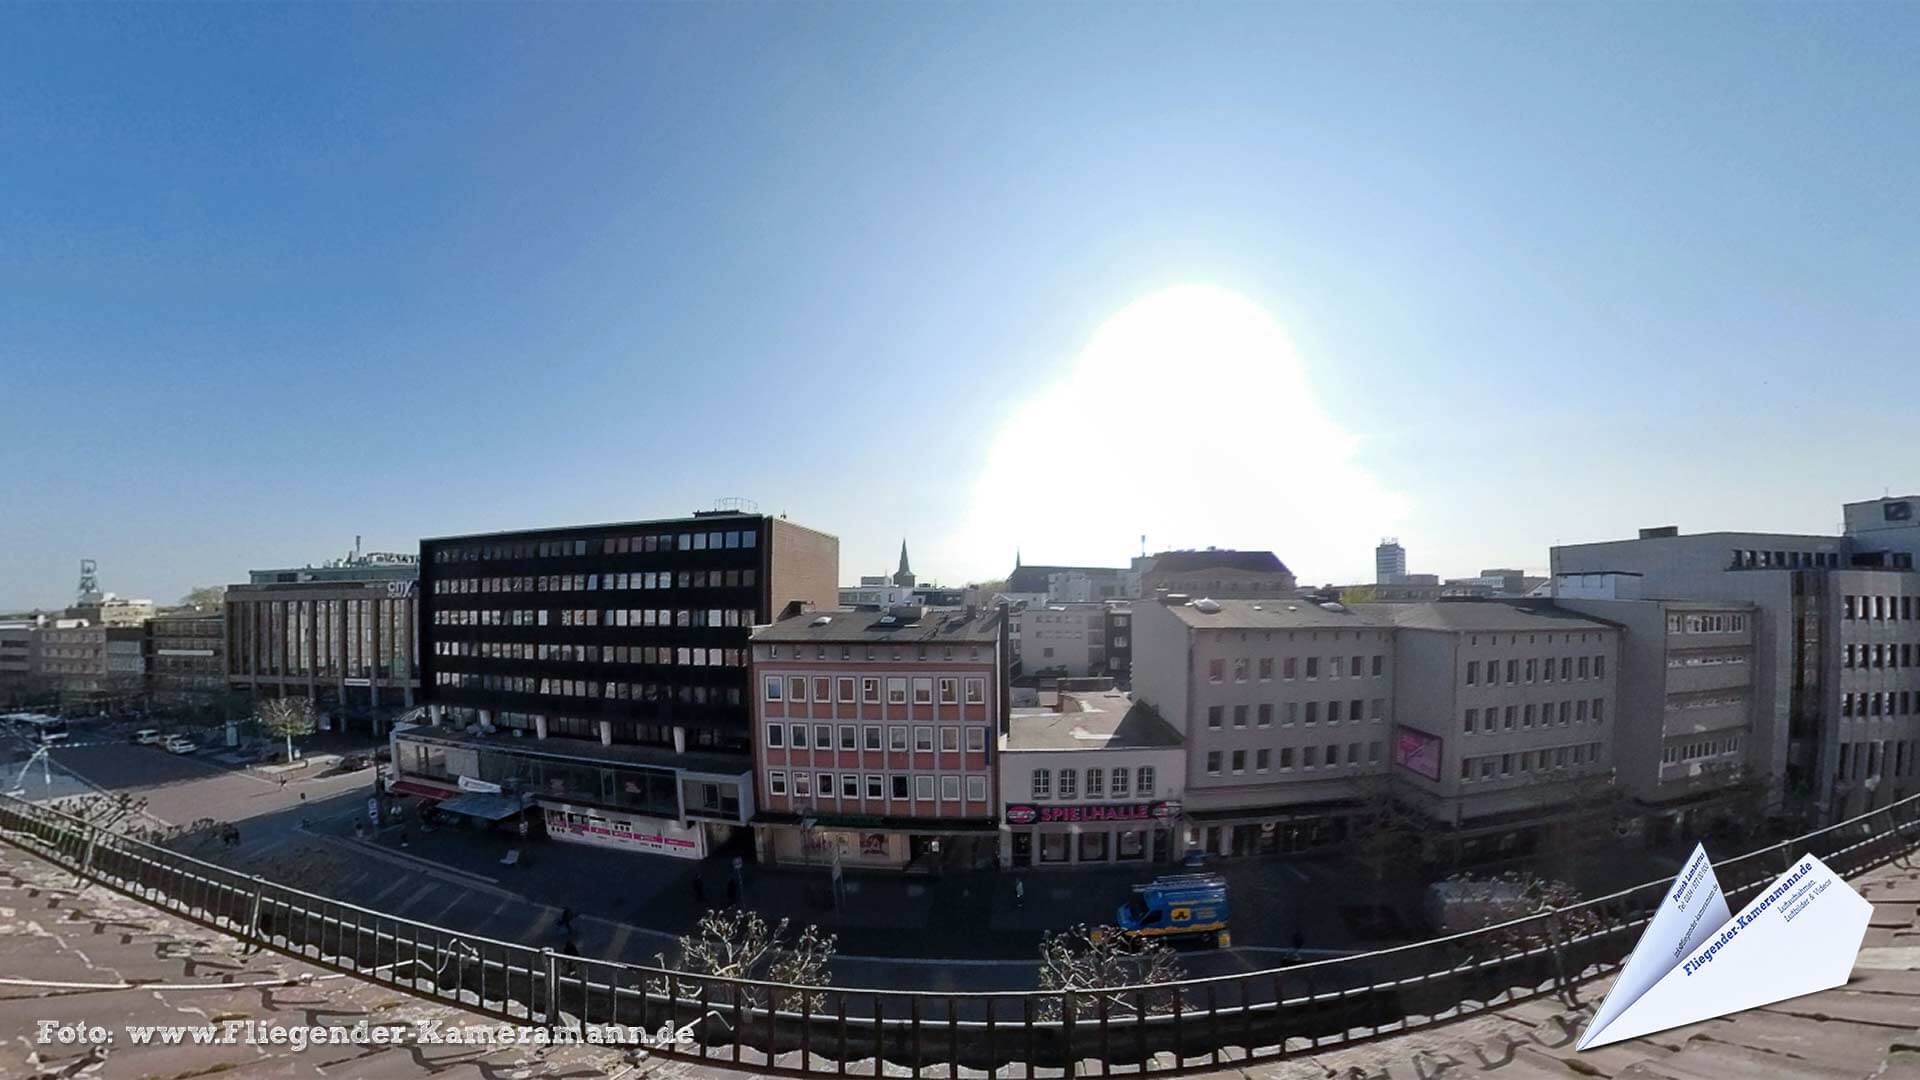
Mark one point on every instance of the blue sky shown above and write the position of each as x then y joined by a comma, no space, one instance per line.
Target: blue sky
271,277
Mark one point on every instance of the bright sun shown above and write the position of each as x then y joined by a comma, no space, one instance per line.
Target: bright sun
1188,417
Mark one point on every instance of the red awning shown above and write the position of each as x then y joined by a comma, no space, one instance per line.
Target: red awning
408,787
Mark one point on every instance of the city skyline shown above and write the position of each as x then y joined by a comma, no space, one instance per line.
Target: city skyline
1483,279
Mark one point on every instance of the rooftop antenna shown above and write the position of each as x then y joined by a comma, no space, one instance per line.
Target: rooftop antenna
1143,545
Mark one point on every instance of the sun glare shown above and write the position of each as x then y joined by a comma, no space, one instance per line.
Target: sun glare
1188,417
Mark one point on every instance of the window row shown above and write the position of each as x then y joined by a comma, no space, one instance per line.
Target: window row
1880,703
1247,669
1860,760
867,737
628,582
1492,766
1537,670
1119,782
590,688
1690,660
825,689
1546,714
873,652
1751,559
1700,748
615,545
1706,624
876,786
1352,711
644,617
1310,757
593,654
1877,656
1879,608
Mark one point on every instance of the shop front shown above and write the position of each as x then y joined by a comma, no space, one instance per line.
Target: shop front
1090,833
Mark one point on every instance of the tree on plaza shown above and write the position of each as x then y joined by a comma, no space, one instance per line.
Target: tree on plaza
1088,964
1389,834
287,717
104,810
738,944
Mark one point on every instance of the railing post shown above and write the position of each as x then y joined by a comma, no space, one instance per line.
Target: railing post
253,908
86,860
1568,990
553,986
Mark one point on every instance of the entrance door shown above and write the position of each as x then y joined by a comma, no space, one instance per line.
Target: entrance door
1023,849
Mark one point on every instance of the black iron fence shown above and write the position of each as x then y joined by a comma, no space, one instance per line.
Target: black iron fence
871,1031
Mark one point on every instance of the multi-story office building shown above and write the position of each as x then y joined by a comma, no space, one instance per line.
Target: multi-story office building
877,734
1389,562
1504,711
601,671
1218,573
1096,779
1286,707
1037,584
1059,640
187,654
92,662
1120,641
345,635
1814,599
1686,692
112,610
20,663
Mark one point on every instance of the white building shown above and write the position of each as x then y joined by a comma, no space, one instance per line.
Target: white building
1097,780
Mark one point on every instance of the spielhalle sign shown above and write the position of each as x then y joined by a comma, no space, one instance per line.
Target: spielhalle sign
1074,813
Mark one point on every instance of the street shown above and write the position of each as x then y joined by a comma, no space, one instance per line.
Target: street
630,907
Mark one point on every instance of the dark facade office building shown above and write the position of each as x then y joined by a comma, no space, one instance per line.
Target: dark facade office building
599,672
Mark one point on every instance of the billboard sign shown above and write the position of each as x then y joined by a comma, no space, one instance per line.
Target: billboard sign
1417,752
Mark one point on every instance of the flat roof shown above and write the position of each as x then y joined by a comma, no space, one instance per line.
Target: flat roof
705,518
587,750
1278,613
1492,615
1107,720
854,626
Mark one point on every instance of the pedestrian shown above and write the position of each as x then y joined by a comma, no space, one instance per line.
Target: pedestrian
1020,893
403,838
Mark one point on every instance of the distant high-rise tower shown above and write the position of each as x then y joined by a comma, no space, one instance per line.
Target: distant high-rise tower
903,577
1389,562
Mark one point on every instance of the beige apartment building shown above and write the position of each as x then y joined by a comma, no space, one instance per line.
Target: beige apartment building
1217,572
1505,712
1286,708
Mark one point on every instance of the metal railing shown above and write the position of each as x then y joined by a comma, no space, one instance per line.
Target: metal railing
849,1031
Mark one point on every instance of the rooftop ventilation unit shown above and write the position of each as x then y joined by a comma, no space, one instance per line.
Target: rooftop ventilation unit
822,620
1333,605
1207,605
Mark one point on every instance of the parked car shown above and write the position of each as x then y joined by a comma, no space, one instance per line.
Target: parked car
147,736
179,744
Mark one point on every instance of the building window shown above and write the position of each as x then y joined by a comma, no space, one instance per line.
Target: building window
875,790
976,789
976,740
822,689
1239,762
846,689
1378,664
1042,785
872,735
949,740
1096,784
773,688
776,736
899,787
1239,716
1215,713
1213,763
949,691
848,738
1472,716
976,691
897,690
1069,784
923,739
923,691
776,782
1473,672
1239,669
1264,717
849,786
799,739
1313,667
950,788
1287,667
1120,777
1266,669
802,784
1144,782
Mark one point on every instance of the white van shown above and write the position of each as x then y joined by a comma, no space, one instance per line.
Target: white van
179,744
147,736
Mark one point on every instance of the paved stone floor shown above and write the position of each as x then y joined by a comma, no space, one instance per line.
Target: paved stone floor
123,962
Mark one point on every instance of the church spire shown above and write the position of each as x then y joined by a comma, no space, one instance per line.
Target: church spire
904,576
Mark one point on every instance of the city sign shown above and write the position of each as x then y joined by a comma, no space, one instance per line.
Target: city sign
400,590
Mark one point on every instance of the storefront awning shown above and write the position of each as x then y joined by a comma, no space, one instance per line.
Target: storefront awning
484,807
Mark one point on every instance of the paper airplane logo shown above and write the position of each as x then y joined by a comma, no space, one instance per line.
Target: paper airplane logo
1696,961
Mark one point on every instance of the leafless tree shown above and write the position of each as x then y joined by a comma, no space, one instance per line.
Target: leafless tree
104,810
1087,964
739,944
287,717
205,597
